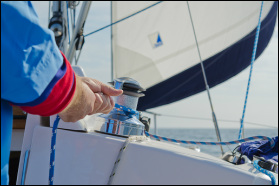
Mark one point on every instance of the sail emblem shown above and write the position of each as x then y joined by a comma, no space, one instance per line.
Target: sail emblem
155,40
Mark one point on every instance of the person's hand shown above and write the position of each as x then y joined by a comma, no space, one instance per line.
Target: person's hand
91,96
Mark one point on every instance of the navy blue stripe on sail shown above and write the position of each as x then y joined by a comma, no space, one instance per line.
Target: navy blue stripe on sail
219,68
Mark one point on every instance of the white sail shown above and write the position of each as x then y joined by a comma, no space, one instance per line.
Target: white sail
217,25
159,42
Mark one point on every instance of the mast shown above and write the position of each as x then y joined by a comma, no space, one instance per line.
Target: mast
58,24
78,30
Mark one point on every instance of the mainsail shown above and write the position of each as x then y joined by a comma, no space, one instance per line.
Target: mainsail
157,47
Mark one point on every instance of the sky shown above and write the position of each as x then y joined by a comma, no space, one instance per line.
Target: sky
228,97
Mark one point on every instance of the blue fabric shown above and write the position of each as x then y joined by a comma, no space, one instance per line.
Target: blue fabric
30,60
6,135
29,55
60,73
219,68
260,148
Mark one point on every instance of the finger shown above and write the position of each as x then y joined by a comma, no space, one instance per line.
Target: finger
93,84
111,101
109,106
98,86
110,91
105,103
98,103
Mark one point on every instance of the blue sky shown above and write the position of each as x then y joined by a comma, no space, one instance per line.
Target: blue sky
228,97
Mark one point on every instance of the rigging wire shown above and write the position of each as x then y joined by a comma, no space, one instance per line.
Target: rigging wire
72,21
206,84
68,21
76,58
209,119
49,3
74,17
123,18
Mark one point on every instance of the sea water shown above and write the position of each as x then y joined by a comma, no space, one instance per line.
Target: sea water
209,135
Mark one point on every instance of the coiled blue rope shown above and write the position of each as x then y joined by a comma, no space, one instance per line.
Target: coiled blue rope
251,69
52,151
268,173
272,143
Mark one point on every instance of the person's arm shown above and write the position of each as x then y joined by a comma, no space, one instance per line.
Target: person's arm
30,59
36,77
74,97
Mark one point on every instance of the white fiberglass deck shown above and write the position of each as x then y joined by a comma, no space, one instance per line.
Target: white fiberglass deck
88,158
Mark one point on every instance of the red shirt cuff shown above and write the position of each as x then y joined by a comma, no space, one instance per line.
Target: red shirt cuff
60,96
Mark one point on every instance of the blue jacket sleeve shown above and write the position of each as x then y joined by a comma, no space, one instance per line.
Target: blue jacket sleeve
30,57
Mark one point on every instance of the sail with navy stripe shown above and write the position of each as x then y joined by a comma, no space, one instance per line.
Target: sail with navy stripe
157,47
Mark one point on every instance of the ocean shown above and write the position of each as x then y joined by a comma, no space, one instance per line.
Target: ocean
209,135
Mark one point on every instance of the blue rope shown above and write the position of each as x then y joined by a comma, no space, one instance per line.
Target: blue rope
251,68
268,173
52,151
272,143
24,167
128,111
123,19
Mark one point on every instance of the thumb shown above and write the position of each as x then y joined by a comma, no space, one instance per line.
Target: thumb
110,91
98,86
